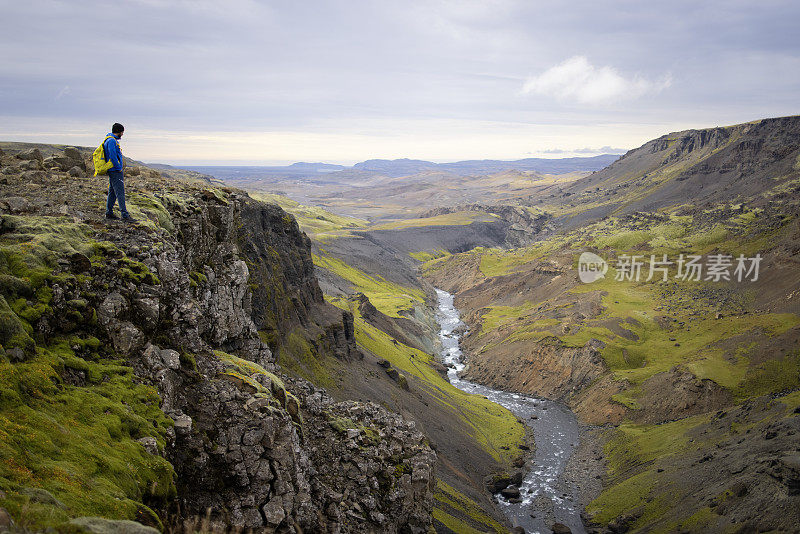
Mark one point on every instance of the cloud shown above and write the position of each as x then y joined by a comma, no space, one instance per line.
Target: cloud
63,92
586,150
578,80
602,150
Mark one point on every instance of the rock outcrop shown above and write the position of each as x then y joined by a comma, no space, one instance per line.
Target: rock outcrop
185,298
545,368
523,225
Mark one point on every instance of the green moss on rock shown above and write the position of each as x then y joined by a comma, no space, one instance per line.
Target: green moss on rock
78,442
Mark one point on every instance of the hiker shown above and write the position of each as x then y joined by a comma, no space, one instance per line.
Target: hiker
116,179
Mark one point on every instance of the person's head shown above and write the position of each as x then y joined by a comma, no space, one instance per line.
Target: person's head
117,129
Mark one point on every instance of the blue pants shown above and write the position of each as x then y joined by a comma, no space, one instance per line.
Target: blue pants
116,193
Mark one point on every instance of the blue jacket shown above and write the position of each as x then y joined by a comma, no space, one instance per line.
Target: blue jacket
113,152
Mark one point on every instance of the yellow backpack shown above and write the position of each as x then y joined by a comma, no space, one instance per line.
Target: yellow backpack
101,166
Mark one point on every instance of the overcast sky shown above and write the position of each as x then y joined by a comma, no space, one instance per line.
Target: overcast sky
245,81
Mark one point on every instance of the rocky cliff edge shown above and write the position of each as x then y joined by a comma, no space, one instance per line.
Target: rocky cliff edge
138,382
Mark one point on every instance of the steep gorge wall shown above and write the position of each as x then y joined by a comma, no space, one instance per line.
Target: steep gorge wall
180,299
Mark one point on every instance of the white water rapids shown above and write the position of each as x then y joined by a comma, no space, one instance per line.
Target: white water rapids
555,431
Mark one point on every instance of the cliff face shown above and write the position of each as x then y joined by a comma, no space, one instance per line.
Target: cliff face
176,303
522,225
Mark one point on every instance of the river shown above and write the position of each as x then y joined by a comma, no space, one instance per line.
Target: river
546,498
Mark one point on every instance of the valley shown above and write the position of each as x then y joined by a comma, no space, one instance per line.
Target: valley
651,403
671,379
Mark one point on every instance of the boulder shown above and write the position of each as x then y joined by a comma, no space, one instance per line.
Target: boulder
560,528
171,358
183,424
6,521
511,492
15,205
146,310
73,153
126,338
16,354
100,525
79,263
42,496
273,512
31,154
292,405
495,483
150,444
75,171
31,165
50,163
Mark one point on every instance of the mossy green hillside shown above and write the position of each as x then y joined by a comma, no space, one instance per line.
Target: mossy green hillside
638,455
246,371
459,513
71,410
78,441
651,339
634,453
299,357
388,297
424,256
696,343
30,251
493,427
315,221
660,324
731,228
497,262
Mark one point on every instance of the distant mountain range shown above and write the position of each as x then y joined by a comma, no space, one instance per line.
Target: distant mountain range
404,167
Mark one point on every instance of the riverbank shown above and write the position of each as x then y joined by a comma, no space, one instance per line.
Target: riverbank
549,492
585,469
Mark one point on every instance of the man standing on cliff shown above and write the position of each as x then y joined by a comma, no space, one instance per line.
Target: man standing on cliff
116,179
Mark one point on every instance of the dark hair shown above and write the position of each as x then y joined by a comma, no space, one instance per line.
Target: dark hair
117,128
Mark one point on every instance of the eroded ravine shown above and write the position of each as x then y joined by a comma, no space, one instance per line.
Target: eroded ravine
545,497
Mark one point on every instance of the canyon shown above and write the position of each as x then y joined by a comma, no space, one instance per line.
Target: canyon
242,359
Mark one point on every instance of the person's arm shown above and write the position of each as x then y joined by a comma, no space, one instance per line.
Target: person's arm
113,153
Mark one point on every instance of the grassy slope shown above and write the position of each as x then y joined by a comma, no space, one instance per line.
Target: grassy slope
644,482
318,223
691,303
692,340
388,297
495,429
69,448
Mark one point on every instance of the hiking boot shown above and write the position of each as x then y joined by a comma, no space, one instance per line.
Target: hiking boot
111,217
129,219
